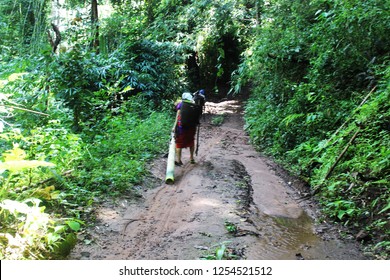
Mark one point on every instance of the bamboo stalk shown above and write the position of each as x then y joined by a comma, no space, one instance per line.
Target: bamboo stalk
342,154
170,174
347,120
24,109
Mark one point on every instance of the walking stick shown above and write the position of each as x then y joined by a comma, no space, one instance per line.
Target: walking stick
197,141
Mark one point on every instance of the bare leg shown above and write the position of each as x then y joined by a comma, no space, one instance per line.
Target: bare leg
178,153
192,149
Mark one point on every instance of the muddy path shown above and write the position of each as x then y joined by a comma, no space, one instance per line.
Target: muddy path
232,198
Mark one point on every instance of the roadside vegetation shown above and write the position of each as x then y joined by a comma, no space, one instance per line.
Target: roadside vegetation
320,106
86,102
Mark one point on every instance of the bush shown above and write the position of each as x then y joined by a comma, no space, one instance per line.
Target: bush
118,154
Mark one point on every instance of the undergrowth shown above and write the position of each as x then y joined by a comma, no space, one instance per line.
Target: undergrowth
51,178
75,127
117,155
320,107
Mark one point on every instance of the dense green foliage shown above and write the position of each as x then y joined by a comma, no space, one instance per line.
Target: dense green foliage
320,74
82,120
74,126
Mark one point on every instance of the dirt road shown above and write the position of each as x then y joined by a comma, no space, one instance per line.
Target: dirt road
231,200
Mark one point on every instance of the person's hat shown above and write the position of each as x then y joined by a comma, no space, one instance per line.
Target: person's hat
187,96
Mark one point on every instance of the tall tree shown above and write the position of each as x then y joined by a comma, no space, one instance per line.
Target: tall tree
95,25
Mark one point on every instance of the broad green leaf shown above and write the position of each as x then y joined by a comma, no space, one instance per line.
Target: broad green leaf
220,252
52,238
59,229
341,214
74,225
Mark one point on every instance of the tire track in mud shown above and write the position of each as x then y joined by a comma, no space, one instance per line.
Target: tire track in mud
230,183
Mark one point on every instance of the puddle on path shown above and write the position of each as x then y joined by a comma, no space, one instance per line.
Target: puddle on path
294,238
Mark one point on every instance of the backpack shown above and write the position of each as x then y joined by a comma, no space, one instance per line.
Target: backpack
199,99
190,114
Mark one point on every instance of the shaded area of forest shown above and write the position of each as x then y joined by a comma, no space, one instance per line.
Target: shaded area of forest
87,89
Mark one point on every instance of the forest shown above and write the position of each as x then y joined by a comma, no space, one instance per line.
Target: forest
87,89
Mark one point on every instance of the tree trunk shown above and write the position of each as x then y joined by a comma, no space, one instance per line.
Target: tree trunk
95,25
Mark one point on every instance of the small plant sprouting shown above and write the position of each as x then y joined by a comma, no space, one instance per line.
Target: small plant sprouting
222,252
217,120
231,227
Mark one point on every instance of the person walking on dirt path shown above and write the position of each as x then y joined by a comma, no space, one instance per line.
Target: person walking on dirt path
184,135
